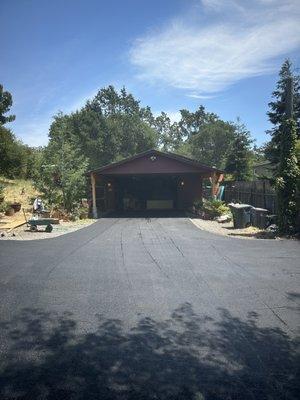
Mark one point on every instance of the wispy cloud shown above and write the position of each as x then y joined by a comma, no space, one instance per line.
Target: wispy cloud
228,41
201,96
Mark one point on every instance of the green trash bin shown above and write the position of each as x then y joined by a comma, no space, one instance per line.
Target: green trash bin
241,215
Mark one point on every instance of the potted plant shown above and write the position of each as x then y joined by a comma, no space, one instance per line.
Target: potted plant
16,206
9,211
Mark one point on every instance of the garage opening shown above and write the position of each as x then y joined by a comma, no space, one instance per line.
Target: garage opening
140,193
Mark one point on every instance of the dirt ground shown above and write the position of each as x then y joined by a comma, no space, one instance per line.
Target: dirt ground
23,232
227,229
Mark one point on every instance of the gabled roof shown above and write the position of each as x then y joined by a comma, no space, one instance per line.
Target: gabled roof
153,152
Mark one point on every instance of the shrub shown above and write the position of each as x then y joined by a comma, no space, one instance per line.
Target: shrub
4,206
79,212
61,176
1,193
198,204
214,208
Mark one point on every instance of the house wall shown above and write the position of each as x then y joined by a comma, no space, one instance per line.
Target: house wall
151,164
105,193
190,191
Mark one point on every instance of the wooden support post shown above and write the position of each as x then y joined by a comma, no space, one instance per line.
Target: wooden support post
94,201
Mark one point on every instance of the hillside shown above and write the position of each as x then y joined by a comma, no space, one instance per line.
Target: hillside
21,191
18,190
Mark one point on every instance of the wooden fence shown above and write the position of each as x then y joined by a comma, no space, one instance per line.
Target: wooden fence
258,193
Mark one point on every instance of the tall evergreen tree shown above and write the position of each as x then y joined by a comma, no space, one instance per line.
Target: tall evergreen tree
277,111
287,177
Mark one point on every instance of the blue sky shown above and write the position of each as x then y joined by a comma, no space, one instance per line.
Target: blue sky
171,54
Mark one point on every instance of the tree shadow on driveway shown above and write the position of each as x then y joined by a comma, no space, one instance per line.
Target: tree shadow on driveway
184,357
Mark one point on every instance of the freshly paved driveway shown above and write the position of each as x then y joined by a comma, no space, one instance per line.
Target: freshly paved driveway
135,308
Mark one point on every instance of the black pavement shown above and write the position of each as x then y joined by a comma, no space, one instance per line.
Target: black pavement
149,308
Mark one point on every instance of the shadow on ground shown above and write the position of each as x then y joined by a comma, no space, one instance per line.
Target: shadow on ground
184,357
256,235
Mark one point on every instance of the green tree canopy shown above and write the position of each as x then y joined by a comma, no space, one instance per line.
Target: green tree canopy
16,159
5,105
169,133
212,144
240,156
60,175
110,127
191,122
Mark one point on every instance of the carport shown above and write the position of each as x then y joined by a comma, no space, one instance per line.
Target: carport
152,180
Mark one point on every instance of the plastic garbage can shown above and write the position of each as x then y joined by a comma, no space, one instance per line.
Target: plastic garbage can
241,215
259,217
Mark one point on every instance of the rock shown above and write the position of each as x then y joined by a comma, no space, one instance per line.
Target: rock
272,228
270,232
224,218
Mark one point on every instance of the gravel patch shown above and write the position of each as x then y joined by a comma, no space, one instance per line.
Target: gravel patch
227,229
23,232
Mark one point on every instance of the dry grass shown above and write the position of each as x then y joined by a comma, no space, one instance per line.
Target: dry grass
13,191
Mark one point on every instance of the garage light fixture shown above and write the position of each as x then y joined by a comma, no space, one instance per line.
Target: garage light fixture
153,158
181,183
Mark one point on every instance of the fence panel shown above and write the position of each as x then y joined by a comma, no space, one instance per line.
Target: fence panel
257,193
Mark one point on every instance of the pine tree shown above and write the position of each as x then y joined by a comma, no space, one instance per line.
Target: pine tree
277,111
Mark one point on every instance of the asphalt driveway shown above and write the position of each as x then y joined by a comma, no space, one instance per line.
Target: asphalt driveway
149,308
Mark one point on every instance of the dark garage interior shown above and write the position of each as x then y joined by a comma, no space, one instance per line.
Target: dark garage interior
147,192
